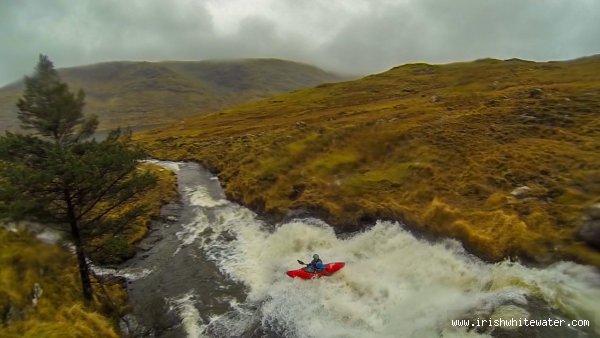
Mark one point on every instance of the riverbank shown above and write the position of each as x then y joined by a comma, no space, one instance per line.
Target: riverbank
113,249
216,269
40,291
501,155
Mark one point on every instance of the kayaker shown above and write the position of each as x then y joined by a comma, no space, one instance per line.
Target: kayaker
316,265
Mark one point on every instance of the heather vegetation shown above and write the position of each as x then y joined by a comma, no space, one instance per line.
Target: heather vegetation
502,155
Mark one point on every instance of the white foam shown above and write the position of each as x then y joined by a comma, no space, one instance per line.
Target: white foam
189,314
173,166
393,285
199,196
49,236
128,273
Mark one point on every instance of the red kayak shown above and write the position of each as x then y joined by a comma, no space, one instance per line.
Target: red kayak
330,268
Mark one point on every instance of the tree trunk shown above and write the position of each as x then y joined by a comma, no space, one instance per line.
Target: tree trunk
84,270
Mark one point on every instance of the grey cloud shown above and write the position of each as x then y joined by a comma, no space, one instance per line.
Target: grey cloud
443,31
73,33
356,36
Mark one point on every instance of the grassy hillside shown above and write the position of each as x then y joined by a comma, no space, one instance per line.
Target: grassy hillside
30,267
503,155
149,93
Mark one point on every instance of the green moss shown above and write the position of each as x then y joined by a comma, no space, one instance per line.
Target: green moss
332,162
114,250
298,147
395,174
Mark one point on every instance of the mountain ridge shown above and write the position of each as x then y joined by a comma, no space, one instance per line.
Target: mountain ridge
137,93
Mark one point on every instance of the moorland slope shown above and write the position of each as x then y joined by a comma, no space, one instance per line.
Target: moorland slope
502,155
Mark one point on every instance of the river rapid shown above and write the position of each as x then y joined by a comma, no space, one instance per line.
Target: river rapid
212,268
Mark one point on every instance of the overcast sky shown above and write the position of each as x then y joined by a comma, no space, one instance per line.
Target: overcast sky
350,36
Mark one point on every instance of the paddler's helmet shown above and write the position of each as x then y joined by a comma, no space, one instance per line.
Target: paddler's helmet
315,256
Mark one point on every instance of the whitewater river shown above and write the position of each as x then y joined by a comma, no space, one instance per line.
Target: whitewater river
213,269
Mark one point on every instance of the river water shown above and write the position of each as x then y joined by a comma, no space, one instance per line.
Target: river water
212,268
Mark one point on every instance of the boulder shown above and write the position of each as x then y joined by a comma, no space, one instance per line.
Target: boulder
590,233
590,230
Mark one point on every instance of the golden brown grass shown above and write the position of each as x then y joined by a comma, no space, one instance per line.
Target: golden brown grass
440,147
59,312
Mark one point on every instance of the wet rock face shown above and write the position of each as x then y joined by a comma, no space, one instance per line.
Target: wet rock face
170,212
130,327
590,231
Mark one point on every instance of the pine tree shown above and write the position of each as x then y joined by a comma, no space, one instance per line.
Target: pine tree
51,110
59,177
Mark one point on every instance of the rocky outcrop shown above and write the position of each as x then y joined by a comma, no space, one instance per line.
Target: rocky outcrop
590,230
130,327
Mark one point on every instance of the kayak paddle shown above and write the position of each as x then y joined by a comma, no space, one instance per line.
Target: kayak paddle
301,262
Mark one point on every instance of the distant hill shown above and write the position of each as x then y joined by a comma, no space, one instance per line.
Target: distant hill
150,93
503,155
